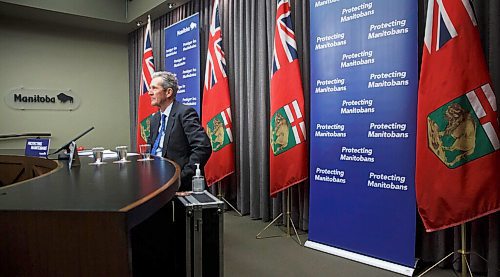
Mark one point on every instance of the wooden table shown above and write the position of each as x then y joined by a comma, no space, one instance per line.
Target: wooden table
78,222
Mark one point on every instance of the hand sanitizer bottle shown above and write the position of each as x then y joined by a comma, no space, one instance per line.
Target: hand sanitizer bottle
198,180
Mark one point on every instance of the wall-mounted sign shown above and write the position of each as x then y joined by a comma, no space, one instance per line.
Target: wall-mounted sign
42,99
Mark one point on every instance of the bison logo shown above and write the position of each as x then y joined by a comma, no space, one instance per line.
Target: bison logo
64,98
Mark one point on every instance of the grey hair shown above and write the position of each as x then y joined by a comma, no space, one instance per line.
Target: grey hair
169,80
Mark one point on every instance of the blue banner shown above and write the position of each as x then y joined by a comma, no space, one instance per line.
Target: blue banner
182,57
364,77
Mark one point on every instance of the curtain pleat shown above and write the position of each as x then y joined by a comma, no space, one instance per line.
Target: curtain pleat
248,30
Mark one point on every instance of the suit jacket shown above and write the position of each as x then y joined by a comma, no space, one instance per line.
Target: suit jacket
185,142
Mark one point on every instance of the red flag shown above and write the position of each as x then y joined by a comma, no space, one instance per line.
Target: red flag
457,176
216,107
144,110
288,149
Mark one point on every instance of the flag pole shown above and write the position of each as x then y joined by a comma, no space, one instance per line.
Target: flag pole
462,251
463,254
221,197
289,216
288,219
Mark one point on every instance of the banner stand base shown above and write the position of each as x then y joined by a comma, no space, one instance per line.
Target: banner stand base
463,254
221,197
288,221
408,271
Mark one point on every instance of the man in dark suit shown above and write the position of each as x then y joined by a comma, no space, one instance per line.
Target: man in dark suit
176,134
179,136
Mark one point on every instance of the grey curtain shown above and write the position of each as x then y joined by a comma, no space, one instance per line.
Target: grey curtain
248,28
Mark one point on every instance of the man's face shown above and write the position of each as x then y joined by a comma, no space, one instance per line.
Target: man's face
159,96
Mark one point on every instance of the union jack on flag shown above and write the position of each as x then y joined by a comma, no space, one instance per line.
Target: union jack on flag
285,48
148,64
216,63
445,29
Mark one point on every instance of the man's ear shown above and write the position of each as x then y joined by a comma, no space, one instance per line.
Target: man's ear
170,92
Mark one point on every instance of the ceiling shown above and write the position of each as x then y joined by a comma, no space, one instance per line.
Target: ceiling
9,11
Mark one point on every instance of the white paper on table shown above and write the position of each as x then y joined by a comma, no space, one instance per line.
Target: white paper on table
85,153
108,154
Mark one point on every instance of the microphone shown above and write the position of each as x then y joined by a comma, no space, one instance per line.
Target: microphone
66,145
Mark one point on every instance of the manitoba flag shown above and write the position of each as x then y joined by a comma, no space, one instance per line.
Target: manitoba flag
144,110
288,150
216,106
457,176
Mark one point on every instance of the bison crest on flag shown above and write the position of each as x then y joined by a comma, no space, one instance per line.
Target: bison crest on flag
287,128
145,127
219,130
461,130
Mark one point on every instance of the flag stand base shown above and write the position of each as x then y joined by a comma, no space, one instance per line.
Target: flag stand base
219,195
288,221
463,254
